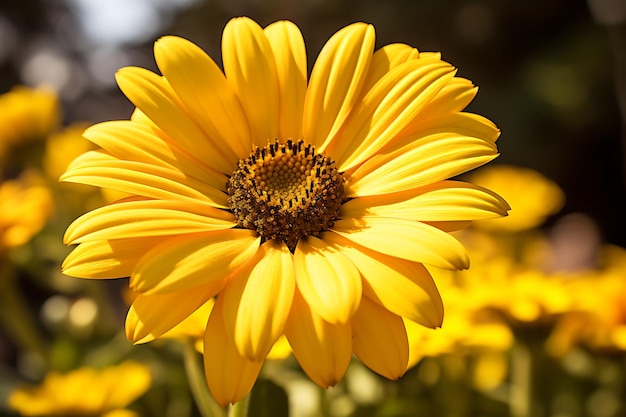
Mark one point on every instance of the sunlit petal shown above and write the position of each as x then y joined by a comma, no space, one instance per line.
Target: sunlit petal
152,315
190,260
328,281
454,97
410,240
154,96
99,169
133,141
431,159
258,299
441,201
229,375
392,103
323,350
379,340
336,82
387,58
289,52
207,95
107,258
403,287
146,218
250,67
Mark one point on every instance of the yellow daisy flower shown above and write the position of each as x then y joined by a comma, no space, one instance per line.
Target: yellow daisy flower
27,114
84,392
25,207
304,208
533,196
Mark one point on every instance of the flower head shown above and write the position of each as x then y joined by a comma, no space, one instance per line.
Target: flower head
84,392
27,114
25,206
303,208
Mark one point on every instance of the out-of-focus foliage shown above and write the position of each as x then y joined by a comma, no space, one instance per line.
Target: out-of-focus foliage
536,326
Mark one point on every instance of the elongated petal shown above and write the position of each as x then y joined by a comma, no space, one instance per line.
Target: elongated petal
387,58
147,218
289,52
379,340
133,141
323,350
99,169
403,287
258,299
191,260
193,326
152,315
442,201
431,159
391,104
460,123
107,258
410,240
230,376
154,96
454,97
328,281
207,95
336,82
250,67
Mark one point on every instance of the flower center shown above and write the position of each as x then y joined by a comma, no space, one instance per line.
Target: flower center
285,191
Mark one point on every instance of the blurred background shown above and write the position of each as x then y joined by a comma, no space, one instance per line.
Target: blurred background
552,76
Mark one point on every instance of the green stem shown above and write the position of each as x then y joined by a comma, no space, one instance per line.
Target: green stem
520,397
240,408
16,316
199,389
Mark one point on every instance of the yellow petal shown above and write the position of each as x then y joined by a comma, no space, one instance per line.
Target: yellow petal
336,82
250,67
428,160
230,376
387,58
392,103
99,169
289,52
152,315
191,260
415,334
281,349
193,326
147,218
405,288
107,258
460,123
128,381
379,340
153,95
327,280
133,141
453,97
410,240
257,300
323,350
207,95
442,201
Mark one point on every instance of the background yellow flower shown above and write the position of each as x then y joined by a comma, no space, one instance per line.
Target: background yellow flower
84,392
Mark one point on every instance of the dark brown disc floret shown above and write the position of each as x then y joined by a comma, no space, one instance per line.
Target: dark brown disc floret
286,191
